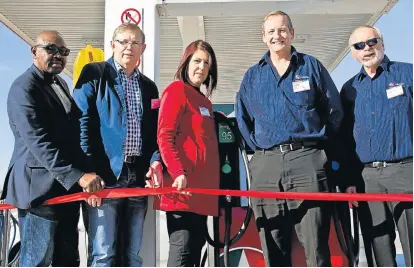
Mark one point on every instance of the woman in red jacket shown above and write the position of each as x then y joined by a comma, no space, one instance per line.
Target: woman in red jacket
188,144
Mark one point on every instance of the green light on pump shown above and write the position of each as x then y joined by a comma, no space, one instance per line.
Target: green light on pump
226,168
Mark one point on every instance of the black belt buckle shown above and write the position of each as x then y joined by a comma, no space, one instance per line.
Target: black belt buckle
130,159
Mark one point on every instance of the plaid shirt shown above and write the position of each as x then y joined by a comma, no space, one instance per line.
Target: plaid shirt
130,85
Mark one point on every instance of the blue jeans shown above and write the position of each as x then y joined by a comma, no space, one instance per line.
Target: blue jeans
116,229
49,235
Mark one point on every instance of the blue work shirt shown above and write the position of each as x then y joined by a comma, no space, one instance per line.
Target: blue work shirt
269,112
379,125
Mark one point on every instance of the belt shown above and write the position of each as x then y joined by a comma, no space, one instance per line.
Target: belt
384,164
284,148
131,159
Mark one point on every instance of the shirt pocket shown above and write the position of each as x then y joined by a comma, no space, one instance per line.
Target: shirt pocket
304,99
400,103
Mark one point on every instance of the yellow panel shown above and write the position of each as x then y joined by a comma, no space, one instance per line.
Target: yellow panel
85,56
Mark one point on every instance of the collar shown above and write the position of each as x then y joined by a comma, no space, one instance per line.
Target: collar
47,77
119,69
266,57
385,65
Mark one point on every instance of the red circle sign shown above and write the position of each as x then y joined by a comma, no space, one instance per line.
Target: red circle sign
131,15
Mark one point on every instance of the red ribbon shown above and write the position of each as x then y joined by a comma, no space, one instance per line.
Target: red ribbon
131,192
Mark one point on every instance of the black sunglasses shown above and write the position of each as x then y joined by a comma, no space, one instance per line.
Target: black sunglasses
361,45
54,49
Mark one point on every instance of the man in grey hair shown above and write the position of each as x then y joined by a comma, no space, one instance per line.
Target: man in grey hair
377,134
119,108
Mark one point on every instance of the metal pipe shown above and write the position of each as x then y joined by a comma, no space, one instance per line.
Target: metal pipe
5,240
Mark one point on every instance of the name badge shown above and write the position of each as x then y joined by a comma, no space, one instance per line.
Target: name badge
204,111
299,86
395,91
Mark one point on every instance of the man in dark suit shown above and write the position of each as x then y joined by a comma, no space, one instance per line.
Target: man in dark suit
119,108
47,160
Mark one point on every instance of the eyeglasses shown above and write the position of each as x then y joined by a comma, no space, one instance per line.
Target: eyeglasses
126,43
54,49
361,45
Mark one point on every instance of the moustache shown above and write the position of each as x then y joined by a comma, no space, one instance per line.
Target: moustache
55,61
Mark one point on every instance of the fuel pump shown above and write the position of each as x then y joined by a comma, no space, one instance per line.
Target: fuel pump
231,146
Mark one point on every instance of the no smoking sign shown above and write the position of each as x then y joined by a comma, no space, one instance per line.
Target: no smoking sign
131,15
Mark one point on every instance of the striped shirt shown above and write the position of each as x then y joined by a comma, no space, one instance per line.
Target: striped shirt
271,112
378,122
133,98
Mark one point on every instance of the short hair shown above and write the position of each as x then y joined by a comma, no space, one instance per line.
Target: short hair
278,13
182,71
40,37
128,26
376,30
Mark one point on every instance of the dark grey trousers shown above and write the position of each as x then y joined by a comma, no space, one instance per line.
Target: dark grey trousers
301,170
186,233
379,219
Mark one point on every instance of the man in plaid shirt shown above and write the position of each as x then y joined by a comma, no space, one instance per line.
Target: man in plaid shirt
118,133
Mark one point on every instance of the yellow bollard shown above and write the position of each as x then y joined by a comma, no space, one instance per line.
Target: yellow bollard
85,56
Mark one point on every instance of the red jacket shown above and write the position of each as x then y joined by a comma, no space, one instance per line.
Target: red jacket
188,145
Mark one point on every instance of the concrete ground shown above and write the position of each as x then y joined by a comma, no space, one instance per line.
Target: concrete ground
163,244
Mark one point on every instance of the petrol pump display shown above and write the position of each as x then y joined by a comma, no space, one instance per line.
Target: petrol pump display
229,158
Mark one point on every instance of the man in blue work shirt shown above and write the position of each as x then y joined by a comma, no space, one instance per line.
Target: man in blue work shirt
288,110
378,133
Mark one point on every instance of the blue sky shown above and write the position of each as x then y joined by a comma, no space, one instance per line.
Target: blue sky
397,30
15,58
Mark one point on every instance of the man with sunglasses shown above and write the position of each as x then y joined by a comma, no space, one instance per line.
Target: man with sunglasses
119,108
47,160
377,133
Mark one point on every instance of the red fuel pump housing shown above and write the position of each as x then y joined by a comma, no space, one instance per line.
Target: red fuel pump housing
247,251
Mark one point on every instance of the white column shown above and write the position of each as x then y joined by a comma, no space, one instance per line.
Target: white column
116,12
150,67
191,29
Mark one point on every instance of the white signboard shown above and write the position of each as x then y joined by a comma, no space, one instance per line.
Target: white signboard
116,13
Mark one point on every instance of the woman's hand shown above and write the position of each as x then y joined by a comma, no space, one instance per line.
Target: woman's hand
180,182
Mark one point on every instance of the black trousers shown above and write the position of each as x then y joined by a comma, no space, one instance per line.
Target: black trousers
186,232
379,219
301,170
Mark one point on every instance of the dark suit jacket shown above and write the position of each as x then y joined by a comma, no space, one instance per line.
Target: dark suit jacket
101,98
47,160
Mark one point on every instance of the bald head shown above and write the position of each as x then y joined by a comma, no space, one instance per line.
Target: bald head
44,37
50,52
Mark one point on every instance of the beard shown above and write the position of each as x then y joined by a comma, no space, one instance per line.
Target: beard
375,60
